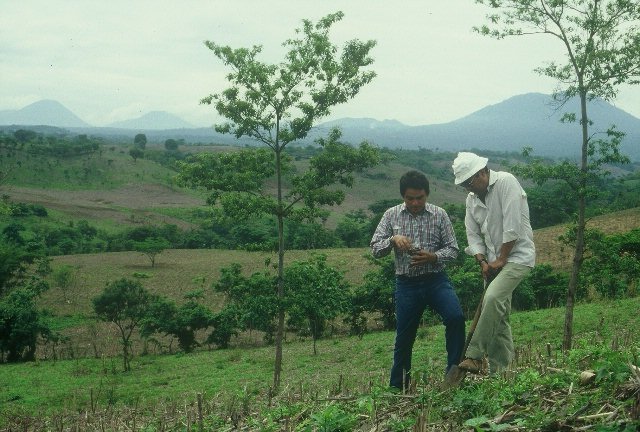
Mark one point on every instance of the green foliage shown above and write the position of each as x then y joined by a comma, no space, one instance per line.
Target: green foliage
298,91
253,300
332,419
31,143
63,277
551,204
152,247
238,185
140,141
613,269
225,326
374,296
542,288
315,294
24,209
466,278
355,229
172,144
136,153
21,322
310,235
123,302
182,322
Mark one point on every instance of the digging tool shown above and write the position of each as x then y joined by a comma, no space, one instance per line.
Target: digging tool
455,375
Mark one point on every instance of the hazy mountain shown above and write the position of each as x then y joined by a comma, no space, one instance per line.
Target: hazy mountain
154,120
44,112
525,120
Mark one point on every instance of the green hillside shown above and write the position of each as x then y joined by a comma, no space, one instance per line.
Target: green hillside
107,184
344,385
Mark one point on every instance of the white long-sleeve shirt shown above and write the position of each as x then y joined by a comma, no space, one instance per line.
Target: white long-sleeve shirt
502,218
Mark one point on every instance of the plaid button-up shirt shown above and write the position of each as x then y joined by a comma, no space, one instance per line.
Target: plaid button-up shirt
430,230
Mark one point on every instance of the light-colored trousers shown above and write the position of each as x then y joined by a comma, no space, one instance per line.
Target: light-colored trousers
493,332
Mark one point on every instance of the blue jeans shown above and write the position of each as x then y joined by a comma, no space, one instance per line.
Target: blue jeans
412,296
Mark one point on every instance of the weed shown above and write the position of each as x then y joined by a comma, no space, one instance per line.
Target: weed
332,419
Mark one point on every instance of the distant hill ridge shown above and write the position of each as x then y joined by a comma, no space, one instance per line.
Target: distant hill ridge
42,113
156,120
528,120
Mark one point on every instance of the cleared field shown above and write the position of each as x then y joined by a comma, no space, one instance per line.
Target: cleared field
179,271
551,251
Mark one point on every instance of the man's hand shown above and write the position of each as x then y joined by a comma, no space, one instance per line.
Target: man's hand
491,270
423,257
402,243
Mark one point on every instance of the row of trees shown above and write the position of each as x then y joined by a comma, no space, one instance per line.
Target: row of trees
30,142
318,300
315,293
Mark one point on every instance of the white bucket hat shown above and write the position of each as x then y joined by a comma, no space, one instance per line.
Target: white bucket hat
466,165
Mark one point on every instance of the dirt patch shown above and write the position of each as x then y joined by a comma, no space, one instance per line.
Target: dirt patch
130,204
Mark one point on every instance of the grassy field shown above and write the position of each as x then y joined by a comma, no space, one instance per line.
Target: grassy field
176,270
233,386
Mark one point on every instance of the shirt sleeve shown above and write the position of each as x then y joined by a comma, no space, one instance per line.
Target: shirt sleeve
474,236
512,195
380,242
449,250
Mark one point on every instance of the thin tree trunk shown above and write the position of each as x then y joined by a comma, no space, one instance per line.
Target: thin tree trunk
580,245
280,330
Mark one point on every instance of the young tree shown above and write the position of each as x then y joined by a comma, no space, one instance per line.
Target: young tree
251,300
140,141
123,302
63,278
136,153
152,247
374,296
164,316
277,104
601,39
316,293
171,144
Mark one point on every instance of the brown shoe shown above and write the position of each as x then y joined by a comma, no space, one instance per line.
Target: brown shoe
471,365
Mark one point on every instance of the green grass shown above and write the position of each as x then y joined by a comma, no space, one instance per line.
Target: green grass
111,168
348,374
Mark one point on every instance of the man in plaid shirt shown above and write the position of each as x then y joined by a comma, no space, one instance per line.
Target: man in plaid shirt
423,241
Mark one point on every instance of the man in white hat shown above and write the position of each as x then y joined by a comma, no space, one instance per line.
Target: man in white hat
501,240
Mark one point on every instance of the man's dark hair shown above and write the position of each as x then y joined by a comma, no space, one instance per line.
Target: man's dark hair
414,180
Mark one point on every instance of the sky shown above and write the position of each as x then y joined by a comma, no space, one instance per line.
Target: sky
116,60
